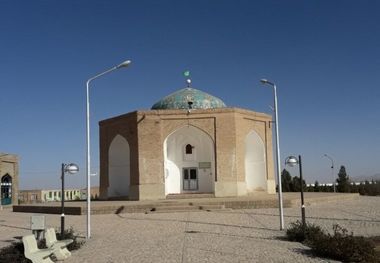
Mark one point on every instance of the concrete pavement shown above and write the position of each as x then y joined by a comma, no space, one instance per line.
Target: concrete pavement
249,235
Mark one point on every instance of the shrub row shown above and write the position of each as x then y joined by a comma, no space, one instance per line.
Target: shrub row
340,245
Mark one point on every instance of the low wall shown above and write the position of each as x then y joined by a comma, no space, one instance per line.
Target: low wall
47,209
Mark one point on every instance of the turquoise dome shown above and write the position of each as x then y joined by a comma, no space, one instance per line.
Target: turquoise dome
181,98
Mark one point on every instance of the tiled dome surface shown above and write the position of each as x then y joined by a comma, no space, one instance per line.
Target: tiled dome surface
180,99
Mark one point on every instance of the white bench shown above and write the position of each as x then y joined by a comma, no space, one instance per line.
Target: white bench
58,246
32,252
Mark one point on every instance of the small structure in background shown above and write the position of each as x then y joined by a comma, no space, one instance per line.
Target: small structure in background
94,191
9,164
54,195
48,195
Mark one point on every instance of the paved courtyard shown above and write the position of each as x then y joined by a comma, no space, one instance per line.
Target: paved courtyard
250,235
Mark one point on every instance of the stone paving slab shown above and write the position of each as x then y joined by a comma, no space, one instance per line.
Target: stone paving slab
248,235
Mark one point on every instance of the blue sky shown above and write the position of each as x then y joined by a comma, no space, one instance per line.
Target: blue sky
323,55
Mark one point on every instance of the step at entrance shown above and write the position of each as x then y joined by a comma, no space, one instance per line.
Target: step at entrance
189,196
185,208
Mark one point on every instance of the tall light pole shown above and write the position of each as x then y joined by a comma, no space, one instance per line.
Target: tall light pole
264,81
332,169
88,161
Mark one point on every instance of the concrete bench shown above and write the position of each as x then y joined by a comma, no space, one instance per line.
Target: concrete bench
59,246
32,252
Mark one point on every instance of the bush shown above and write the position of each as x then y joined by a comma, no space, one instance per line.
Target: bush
297,232
13,253
343,246
69,234
340,245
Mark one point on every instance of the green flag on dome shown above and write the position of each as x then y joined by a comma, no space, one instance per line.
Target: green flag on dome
186,73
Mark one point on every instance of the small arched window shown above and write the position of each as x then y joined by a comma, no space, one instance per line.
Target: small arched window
6,179
189,149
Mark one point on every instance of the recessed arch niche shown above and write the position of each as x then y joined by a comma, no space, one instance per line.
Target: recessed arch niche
185,150
119,168
255,163
6,190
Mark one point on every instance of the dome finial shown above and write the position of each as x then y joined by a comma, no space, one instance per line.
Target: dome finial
186,73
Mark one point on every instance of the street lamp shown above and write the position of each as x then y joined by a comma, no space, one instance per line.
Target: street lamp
70,168
292,161
332,169
121,65
264,81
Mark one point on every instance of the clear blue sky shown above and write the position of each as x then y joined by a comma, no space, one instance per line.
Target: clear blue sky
323,55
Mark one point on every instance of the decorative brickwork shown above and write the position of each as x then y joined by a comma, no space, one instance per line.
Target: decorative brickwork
146,132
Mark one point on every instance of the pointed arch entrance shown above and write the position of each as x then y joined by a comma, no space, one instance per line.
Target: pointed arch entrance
255,163
189,161
119,167
6,190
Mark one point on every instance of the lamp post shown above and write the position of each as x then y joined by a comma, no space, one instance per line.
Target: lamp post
292,161
332,169
71,168
88,161
264,81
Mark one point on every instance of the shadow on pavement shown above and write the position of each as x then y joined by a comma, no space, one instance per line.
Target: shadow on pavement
197,222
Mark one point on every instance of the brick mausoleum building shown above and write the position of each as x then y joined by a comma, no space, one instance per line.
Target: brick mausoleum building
9,178
189,142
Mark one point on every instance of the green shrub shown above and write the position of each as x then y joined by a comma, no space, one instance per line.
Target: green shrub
343,246
13,253
340,245
297,232
69,234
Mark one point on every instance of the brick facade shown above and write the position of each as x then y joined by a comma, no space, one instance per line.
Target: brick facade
146,132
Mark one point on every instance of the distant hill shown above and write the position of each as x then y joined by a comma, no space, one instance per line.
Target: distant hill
362,178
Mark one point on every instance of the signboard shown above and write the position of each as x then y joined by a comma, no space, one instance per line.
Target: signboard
37,222
204,165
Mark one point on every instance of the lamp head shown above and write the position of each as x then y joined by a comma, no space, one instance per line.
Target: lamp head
124,64
291,161
71,168
265,81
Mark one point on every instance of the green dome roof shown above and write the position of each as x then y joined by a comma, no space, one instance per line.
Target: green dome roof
181,98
